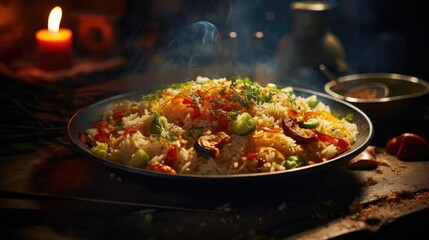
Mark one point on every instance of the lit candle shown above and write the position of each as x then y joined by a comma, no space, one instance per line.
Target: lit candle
54,44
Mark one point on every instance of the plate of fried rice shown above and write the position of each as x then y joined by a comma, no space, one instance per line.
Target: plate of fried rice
221,128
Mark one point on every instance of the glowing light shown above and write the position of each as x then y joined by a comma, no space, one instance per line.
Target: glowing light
233,34
311,6
55,19
259,34
54,44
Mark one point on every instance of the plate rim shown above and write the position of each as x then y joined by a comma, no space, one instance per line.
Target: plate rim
341,158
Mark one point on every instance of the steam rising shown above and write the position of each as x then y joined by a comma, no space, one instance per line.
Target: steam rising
194,45
245,38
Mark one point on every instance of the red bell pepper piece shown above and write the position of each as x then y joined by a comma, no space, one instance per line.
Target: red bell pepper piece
130,130
171,156
118,115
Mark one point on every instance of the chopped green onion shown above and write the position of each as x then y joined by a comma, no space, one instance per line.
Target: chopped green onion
100,149
244,124
288,91
293,161
158,125
170,137
337,115
310,123
195,131
139,159
350,117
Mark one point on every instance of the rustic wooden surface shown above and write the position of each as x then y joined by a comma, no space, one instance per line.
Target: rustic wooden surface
338,203
333,204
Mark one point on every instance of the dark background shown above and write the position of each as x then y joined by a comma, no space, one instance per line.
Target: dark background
378,36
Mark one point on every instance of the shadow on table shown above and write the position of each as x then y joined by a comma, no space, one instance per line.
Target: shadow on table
266,207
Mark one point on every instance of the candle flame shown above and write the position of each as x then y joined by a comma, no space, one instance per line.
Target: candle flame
55,19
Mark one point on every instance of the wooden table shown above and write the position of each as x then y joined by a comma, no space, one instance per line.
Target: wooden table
50,191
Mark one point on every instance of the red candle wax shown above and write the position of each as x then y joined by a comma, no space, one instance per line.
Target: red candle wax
54,44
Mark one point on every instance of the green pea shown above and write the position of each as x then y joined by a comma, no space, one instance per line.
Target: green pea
312,102
244,124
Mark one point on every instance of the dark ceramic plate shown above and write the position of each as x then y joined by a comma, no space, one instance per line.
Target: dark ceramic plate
83,119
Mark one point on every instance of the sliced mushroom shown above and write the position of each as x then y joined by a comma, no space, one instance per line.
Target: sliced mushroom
207,146
292,129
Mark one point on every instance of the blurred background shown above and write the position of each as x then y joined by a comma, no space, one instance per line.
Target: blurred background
222,38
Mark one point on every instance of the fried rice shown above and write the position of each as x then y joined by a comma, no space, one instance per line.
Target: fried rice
220,127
